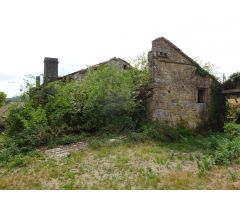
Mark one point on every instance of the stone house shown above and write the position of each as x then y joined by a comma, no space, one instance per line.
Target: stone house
178,92
117,62
51,69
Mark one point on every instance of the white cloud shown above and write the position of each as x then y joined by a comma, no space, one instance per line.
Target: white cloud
91,31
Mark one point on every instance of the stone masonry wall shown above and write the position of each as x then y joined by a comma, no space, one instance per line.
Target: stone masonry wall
175,85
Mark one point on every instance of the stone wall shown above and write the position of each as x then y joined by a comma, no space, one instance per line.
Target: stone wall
178,92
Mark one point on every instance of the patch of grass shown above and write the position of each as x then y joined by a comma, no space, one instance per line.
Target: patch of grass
127,165
156,149
205,164
121,161
69,186
96,143
66,139
160,160
148,179
19,161
234,176
103,152
179,166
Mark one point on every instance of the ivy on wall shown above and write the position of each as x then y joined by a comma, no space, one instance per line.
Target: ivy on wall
217,109
201,72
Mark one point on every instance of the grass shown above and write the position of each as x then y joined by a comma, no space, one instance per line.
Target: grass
127,162
138,165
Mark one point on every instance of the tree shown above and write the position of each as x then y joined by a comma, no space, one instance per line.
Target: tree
2,98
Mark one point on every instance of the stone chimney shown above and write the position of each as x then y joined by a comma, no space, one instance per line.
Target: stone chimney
50,69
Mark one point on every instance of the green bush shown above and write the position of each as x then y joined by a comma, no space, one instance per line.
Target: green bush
227,151
2,98
163,132
27,126
232,130
238,117
105,100
135,137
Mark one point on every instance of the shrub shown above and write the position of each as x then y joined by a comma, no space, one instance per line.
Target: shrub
238,117
163,132
105,99
2,98
27,126
134,137
227,151
232,130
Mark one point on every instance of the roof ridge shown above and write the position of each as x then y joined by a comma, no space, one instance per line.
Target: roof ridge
180,51
185,55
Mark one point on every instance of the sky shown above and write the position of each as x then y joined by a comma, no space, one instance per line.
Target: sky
85,32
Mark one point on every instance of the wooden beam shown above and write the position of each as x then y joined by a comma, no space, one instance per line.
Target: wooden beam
232,91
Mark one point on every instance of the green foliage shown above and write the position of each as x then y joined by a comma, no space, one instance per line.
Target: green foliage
136,137
204,164
232,82
217,110
227,151
237,117
159,132
235,77
207,68
201,72
107,99
3,97
27,126
163,132
232,130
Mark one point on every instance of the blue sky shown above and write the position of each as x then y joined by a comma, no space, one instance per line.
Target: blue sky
87,32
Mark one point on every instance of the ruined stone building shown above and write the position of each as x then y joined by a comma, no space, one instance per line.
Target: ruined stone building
177,91
51,69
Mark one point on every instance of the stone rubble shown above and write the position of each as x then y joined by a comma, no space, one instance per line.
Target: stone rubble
65,150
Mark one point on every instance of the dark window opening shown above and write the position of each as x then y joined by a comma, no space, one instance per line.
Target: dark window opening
162,54
124,66
201,95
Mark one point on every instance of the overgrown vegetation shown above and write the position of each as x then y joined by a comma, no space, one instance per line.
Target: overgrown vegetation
108,103
107,100
233,81
217,108
207,68
3,97
135,161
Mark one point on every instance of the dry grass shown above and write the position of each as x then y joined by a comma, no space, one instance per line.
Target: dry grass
147,165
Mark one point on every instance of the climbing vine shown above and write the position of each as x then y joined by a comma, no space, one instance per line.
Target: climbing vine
217,110
201,72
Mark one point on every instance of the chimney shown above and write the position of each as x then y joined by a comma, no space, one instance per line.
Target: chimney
37,81
50,69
